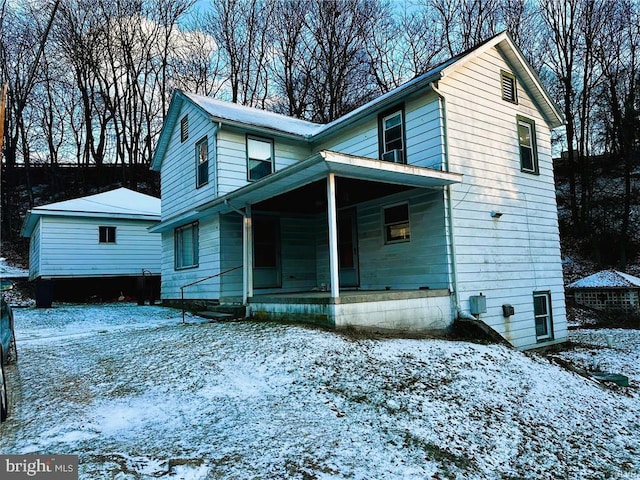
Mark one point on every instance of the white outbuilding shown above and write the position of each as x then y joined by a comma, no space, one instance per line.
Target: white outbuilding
95,247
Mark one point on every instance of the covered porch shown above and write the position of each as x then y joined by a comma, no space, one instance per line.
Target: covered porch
327,263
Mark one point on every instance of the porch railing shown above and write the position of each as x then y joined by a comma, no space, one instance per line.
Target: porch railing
219,274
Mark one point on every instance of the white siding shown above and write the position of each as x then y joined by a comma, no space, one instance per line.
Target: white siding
232,157
178,174
421,262
69,247
509,258
231,254
208,264
34,253
227,162
423,134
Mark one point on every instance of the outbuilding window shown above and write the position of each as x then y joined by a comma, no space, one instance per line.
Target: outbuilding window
107,234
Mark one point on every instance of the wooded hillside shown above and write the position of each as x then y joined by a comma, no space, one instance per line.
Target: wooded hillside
89,83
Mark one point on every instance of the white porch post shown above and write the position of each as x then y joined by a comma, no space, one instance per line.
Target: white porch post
247,260
332,217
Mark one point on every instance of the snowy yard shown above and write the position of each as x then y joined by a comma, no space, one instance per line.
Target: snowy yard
136,394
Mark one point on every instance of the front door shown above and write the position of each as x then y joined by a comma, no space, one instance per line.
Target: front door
348,248
266,252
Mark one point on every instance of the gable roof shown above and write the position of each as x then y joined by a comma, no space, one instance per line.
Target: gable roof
119,203
269,122
607,279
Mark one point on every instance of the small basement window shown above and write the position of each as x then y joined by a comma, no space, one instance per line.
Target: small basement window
107,234
396,224
509,87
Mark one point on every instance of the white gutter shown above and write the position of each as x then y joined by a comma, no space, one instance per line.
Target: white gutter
442,101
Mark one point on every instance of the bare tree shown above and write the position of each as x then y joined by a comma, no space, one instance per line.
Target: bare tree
618,56
339,30
562,19
292,70
466,23
242,31
405,43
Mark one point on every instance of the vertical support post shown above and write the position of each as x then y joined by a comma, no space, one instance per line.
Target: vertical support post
247,242
182,302
332,217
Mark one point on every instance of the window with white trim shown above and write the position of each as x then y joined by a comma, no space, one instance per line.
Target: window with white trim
528,147
202,162
542,313
392,137
186,246
396,223
107,234
259,157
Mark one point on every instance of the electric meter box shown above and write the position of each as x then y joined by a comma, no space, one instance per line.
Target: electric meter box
477,304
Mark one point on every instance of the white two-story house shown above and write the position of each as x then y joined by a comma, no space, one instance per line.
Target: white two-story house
433,202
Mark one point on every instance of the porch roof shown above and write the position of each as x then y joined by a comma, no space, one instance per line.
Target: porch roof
311,170
319,166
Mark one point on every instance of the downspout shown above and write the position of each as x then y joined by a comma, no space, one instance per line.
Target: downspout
454,262
245,251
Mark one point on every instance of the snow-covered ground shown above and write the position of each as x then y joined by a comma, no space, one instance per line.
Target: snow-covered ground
136,394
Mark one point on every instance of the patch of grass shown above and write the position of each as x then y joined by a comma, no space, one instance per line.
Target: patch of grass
438,453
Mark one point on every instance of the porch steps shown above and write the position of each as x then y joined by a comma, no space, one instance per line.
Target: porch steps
223,313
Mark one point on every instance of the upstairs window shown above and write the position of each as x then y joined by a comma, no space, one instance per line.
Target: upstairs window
184,128
396,224
259,157
509,87
186,246
202,162
528,148
392,136
107,234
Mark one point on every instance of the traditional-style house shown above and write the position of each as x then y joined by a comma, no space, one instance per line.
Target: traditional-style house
98,246
431,203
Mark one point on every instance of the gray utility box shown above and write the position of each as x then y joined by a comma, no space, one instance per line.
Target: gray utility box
477,304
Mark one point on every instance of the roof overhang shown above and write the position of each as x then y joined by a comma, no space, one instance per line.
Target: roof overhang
312,169
33,216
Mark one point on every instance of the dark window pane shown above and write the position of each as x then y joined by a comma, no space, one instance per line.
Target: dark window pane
526,157
395,214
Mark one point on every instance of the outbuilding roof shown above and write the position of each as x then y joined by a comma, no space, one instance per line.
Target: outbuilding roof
607,279
119,203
